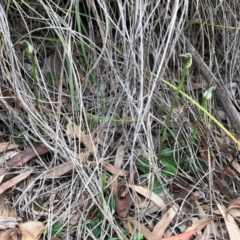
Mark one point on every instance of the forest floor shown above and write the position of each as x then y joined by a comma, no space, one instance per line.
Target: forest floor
119,119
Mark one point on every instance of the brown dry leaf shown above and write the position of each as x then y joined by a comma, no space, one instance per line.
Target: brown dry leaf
148,206
167,218
149,194
74,220
183,236
235,203
31,230
234,162
232,227
114,185
115,171
236,165
7,155
200,224
229,171
235,213
26,155
14,181
119,157
222,146
209,227
11,234
234,208
59,170
206,233
7,146
117,164
69,132
198,205
8,217
5,210
75,216
85,139
146,233
82,156
123,205
127,225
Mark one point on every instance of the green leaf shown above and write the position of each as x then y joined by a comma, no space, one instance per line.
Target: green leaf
111,202
54,230
138,236
167,152
169,171
157,186
104,181
169,167
143,164
167,160
200,165
126,232
96,228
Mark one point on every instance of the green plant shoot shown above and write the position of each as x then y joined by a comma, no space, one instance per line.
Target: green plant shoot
206,96
29,49
187,65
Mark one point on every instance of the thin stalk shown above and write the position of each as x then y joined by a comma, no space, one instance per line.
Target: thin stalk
173,103
206,96
30,51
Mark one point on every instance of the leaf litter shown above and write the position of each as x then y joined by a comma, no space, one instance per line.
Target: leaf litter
112,143
13,229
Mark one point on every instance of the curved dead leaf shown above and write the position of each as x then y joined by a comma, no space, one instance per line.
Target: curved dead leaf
85,139
114,170
7,146
11,234
234,208
14,181
182,236
59,170
26,155
167,218
235,203
232,227
123,205
146,233
31,230
8,217
5,210
149,194
200,224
